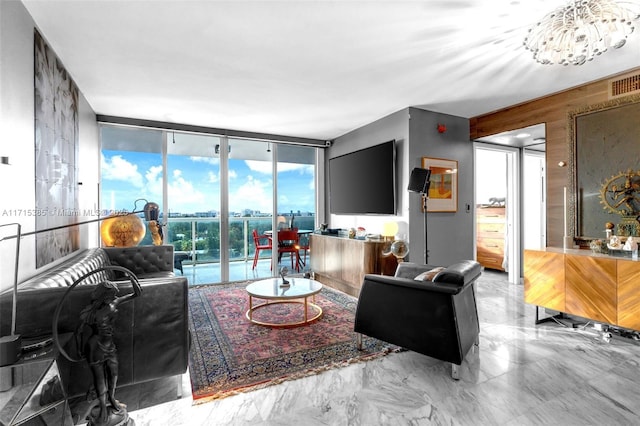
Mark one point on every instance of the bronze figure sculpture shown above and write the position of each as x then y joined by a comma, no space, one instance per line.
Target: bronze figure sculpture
95,344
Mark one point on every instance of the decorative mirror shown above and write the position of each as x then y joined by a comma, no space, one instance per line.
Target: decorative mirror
604,160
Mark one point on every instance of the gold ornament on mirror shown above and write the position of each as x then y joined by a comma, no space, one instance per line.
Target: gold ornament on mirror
620,194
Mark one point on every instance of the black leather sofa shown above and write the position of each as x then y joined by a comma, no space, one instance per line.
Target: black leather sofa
436,318
152,334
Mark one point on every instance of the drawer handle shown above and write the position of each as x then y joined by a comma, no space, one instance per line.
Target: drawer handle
492,245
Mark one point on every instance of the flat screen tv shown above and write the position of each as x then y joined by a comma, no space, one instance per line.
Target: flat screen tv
364,181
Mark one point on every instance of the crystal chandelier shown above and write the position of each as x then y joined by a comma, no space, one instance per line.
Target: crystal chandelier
581,30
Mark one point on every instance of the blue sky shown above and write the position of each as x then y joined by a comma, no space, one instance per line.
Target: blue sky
193,183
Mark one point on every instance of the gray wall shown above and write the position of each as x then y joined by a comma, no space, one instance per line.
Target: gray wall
17,142
394,126
451,236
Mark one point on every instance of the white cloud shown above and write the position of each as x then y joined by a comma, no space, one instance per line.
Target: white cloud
232,174
265,167
213,177
117,168
154,173
254,194
259,166
210,160
182,192
302,169
153,184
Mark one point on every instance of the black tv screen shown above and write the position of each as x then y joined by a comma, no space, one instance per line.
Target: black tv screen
364,181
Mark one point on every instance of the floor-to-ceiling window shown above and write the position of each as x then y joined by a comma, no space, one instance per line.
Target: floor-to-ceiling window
131,168
193,204
213,191
296,177
250,203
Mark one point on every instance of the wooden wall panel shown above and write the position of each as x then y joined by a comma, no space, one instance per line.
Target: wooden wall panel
544,279
553,111
628,294
591,288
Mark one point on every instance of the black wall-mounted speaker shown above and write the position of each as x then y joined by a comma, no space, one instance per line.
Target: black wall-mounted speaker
419,180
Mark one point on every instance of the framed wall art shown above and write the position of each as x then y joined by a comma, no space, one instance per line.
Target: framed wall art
443,191
56,154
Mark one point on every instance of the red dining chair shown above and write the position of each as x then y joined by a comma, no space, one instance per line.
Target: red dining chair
257,242
303,246
288,243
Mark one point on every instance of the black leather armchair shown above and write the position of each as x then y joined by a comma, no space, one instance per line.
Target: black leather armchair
436,318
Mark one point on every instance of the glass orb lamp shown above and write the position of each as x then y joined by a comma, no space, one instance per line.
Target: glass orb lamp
122,230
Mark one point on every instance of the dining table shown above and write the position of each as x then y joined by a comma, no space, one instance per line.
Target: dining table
301,232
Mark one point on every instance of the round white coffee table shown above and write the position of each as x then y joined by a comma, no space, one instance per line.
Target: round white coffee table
272,291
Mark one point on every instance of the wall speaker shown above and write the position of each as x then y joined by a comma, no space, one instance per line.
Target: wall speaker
419,180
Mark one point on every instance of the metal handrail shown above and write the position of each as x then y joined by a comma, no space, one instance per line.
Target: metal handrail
246,232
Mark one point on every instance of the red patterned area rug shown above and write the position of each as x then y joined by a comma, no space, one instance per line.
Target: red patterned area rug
230,355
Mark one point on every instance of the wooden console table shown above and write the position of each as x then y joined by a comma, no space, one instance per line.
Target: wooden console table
598,287
342,263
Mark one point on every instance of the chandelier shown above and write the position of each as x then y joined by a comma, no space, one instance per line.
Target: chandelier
581,30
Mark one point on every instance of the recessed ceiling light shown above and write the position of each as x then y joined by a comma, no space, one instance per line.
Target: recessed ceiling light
522,135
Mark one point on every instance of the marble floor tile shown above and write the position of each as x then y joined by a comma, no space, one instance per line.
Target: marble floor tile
522,374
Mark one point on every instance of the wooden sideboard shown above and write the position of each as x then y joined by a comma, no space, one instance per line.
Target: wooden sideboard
577,282
342,263
490,225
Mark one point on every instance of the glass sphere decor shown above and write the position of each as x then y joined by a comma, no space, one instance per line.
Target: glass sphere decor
400,249
122,230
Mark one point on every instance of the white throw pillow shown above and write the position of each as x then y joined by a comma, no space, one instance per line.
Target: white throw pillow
429,275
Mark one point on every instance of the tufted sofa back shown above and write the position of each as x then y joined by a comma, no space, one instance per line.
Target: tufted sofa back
67,272
39,295
144,261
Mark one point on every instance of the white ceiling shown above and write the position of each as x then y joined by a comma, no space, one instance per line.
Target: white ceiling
315,69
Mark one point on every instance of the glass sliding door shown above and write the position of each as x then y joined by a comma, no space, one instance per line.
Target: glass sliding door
193,205
296,189
250,207
214,192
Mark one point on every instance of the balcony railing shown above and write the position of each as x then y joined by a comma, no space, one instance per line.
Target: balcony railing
200,236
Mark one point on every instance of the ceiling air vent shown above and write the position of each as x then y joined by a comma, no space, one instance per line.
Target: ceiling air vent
623,86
